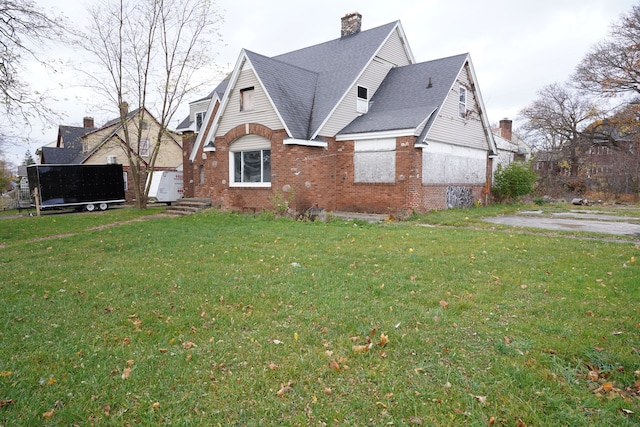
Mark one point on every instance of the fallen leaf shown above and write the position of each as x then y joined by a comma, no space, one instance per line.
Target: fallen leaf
492,421
481,399
188,345
626,411
327,390
520,423
607,387
507,340
284,389
361,348
6,374
6,402
416,421
106,409
48,414
444,304
155,405
334,365
590,313
126,373
384,340
130,362
273,366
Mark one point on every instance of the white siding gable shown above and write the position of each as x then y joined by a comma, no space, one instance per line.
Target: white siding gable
450,128
451,164
263,111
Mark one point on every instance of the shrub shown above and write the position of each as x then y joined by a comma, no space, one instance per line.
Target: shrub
513,181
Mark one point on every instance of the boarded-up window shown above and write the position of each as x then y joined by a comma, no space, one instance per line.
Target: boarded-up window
246,99
375,161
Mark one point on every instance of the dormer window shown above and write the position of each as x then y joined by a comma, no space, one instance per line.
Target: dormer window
362,102
199,120
246,99
462,104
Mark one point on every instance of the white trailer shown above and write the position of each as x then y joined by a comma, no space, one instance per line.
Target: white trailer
166,186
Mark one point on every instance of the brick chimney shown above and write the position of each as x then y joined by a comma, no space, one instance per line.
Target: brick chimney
351,23
505,129
87,122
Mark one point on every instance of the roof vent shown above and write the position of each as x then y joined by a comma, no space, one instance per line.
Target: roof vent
351,24
429,85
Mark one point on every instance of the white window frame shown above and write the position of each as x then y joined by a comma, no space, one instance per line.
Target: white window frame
247,99
145,147
264,153
462,102
199,119
362,103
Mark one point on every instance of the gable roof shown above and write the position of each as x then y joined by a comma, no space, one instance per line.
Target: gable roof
216,94
338,64
409,96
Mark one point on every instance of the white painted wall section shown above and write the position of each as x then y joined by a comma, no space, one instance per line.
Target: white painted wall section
452,164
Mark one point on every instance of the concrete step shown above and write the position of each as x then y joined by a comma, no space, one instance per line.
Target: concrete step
188,206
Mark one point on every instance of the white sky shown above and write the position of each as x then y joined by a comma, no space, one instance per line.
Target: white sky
517,47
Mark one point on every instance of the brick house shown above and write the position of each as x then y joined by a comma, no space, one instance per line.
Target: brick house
353,124
99,145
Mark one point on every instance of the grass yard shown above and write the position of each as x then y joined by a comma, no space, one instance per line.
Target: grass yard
224,319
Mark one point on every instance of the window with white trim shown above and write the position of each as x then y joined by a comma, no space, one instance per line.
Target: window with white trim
250,161
375,161
362,101
246,99
199,120
144,147
462,102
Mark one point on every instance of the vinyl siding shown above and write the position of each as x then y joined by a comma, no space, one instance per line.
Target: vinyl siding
346,111
263,112
198,107
449,127
393,51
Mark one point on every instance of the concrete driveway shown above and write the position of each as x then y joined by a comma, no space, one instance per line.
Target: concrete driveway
589,221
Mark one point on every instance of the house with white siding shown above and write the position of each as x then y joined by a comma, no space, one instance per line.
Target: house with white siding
353,124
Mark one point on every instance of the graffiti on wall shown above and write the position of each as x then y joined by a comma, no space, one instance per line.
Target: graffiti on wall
459,197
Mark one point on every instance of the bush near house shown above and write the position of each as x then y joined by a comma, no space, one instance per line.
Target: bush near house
515,180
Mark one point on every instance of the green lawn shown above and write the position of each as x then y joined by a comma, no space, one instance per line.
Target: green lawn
224,319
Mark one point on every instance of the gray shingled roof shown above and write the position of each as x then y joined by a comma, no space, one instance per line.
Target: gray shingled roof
286,83
404,100
60,156
186,123
337,64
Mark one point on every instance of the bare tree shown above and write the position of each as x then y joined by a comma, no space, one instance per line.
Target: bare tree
611,66
24,29
147,55
564,120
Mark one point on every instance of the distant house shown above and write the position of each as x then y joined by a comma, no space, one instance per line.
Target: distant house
509,146
353,124
98,145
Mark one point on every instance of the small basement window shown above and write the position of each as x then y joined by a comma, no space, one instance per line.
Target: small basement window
246,99
362,102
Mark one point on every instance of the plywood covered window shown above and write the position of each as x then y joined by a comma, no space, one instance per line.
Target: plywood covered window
247,98
375,161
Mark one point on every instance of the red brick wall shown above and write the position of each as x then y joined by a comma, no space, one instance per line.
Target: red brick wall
316,177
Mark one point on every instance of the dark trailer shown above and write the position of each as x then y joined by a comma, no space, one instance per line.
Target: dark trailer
77,186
